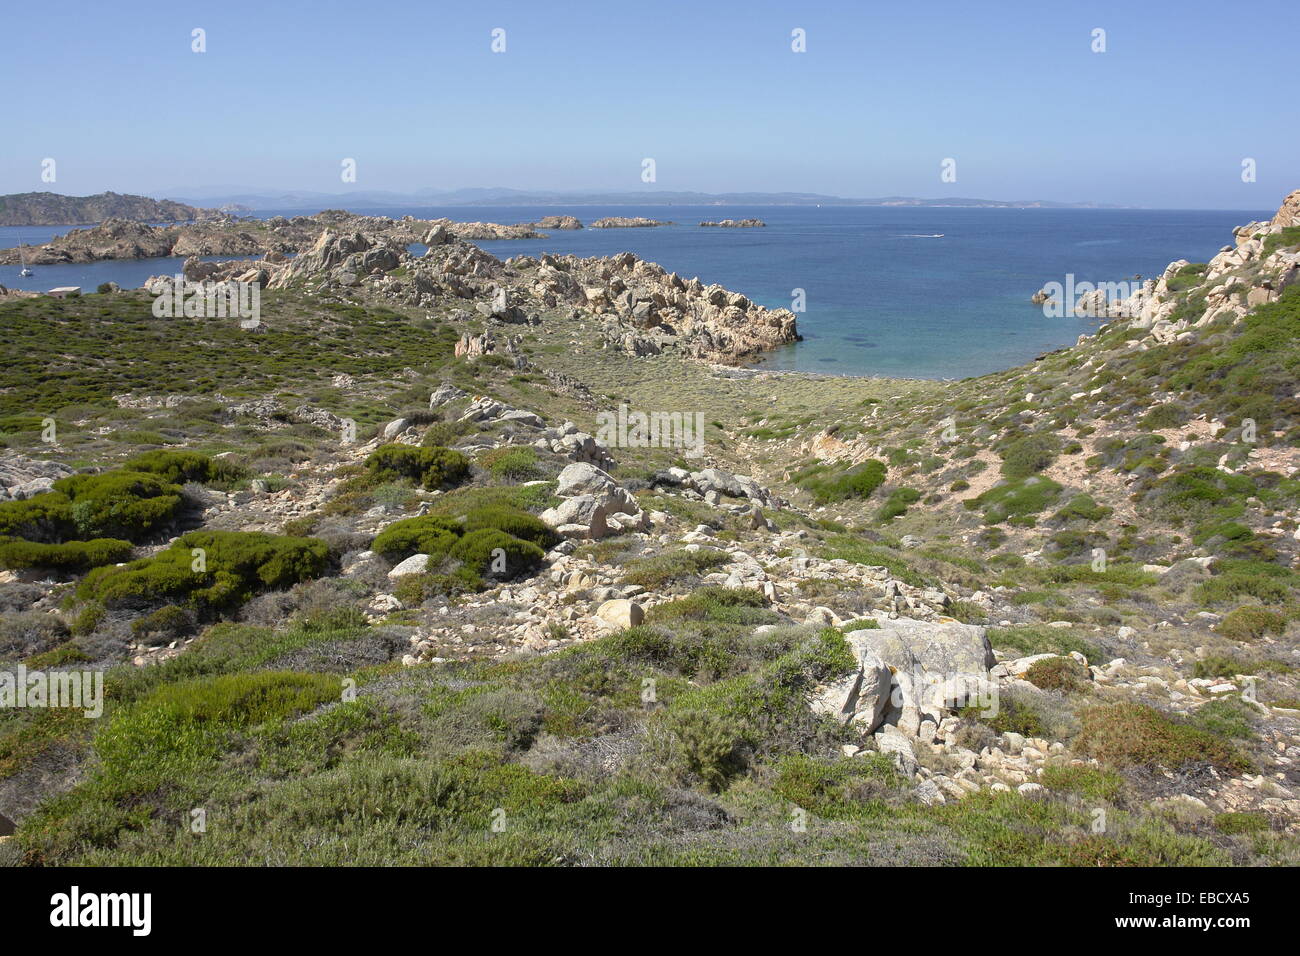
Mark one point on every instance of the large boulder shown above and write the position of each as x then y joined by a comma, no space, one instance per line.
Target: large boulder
415,564
861,698
621,613
585,510
936,665
584,478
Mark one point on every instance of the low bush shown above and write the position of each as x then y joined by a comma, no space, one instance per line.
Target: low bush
209,569
1029,455
68,556
828,485
1043,640
430,466
1082,508
1250,623
512,463
659,569
178,467
116,504
427,534
119,504
1131,735
1057,673
1016,501
514,522
488,551
897,503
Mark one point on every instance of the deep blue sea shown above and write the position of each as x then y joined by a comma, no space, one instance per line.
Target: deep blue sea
882,296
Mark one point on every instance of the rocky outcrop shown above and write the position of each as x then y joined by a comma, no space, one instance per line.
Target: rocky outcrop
487,230
228,236
661,310
1234,281
627,222
595,505
21,476
735,223
1289,213
557,222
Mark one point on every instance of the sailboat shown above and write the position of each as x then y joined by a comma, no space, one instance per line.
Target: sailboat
26,272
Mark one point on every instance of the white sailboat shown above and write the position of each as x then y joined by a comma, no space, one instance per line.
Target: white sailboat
26,272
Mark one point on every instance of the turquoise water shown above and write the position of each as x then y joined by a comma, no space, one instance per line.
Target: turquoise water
882,298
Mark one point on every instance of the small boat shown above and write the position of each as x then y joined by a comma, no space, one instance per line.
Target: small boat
26,272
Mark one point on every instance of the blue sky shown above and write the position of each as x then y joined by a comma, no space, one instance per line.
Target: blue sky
711,90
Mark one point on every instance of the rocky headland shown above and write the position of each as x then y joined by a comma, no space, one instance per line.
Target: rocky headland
52,209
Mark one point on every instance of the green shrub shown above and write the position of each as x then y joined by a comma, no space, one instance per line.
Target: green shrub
178,467
165,624
657,570
1236,579
1029,455
119,504
1226,717
511,463
1016,501
1250,623
1218,665
1185,278
721,605
1057,673
116,504
444,433
243,700
837,789
1090,782
65,655
234,566
69,556
87,619
1129,735
427,534
897,503
414,589
699,745
1015,715
827,485
1242,823
430,466
512,521
1288,237
495,553
43,517
1082,508
1043,640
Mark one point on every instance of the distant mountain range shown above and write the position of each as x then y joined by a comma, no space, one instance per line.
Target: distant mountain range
500,196
51,209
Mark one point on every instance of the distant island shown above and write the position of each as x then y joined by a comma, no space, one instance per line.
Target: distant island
627,222
381,199
51,209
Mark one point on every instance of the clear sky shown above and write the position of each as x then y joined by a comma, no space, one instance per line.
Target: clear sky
586,89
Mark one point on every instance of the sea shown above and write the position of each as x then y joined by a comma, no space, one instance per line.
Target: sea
898,291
